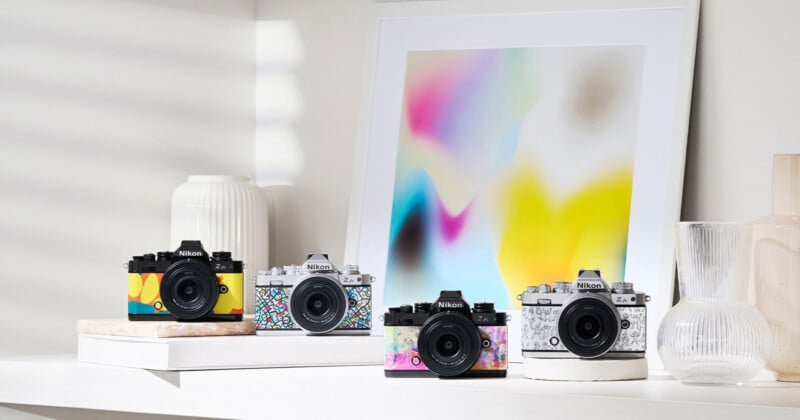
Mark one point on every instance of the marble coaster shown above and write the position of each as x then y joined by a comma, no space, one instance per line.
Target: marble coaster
163,329
585,369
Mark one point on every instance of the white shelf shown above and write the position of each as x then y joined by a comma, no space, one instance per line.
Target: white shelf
363,392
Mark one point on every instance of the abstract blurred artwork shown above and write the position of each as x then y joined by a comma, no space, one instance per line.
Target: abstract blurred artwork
510,145
514,167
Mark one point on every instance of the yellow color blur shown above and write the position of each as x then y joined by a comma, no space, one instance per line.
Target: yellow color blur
545,241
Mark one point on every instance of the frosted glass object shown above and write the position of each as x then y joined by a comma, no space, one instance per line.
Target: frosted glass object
713,335
776,268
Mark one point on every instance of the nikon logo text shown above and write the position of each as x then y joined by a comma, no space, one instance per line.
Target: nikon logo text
451,305
184,253
588,285
319,267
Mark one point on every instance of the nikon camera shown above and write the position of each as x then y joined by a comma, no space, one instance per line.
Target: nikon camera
584,319
185,285
314,298
445,338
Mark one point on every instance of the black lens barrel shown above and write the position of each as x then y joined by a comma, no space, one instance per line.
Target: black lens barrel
588,326
318,304
449,343
189,289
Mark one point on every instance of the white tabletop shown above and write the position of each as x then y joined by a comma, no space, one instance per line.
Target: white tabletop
363,392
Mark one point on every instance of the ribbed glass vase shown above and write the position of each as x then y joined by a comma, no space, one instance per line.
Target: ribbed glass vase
713,335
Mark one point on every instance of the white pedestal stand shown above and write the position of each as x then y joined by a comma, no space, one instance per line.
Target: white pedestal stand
585,369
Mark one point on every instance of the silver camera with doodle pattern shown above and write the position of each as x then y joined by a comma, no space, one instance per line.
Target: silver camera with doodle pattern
584,319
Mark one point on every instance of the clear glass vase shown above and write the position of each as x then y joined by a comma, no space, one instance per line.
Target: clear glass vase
713,335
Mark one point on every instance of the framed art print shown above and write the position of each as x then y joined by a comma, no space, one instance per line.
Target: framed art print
506,145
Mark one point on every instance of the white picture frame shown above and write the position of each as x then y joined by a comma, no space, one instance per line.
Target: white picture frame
667,28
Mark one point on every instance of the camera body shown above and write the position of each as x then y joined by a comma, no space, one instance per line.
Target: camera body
185,285
314,298
584,319
445,338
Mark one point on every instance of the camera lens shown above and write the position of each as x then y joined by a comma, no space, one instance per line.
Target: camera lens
588,326
189,289
318,304
449,343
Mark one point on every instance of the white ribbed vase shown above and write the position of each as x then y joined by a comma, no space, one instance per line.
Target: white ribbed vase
713,335
226,213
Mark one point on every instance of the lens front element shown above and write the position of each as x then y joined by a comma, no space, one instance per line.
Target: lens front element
187,289
589,325
318,304
449,344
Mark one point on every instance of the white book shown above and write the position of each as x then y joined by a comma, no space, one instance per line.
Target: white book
230,352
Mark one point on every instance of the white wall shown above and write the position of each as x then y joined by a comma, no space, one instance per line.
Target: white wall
745,106
311,215
105,107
